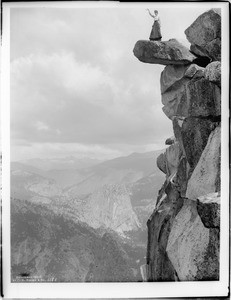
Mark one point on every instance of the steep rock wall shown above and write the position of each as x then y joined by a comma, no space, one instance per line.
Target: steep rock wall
183,230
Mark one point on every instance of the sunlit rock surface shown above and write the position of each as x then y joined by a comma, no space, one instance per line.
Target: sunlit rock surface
165,53
188,93
190,246
194,71
110,207
205,178
213,72
205,34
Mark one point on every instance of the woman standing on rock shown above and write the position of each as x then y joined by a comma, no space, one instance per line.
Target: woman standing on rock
155,33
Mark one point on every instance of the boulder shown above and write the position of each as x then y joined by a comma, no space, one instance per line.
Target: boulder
213,72
194,136
205,34
168,161
172,77
194,71
191,247
165,53
197,97
173,154
159,267
208,208
171,100
214,49
161,163
205,178
199,52
170,141
201,99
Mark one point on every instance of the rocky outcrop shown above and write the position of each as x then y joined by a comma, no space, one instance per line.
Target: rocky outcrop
194,134
186,92
159,266
170,141
165,53
208,208
190,246
183,230
110,207
205,178
205,35
194,71
213,72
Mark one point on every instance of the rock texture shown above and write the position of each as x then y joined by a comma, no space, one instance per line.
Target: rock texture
205,178
170,140
189,246
186,92
159,266
213,72
165,53
110,207
205,34
208,208
183,230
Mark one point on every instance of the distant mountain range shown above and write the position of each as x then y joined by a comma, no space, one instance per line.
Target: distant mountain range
63,163
87,173
114,197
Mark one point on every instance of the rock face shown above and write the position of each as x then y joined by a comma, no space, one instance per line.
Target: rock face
186,92
208,208
170,140
165,53
190,246
205,178
183,230
205,34
213,72
110,207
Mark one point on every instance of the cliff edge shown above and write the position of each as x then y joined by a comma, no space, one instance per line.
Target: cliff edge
183,230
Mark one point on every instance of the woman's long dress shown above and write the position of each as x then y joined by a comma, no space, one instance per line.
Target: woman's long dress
155,34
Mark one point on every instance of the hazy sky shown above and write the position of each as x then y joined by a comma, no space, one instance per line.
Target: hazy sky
76,87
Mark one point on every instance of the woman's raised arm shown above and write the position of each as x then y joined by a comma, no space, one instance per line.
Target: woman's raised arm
150,13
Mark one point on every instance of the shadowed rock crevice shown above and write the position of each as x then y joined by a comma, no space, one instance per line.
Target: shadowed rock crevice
209,268
159,227
202,61
183,230
208,208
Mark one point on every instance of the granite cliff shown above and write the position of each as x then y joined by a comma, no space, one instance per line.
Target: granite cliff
183,230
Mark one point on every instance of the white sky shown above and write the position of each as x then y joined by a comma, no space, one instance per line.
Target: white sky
76,87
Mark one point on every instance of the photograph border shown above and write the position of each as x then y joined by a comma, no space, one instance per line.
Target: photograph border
114,290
